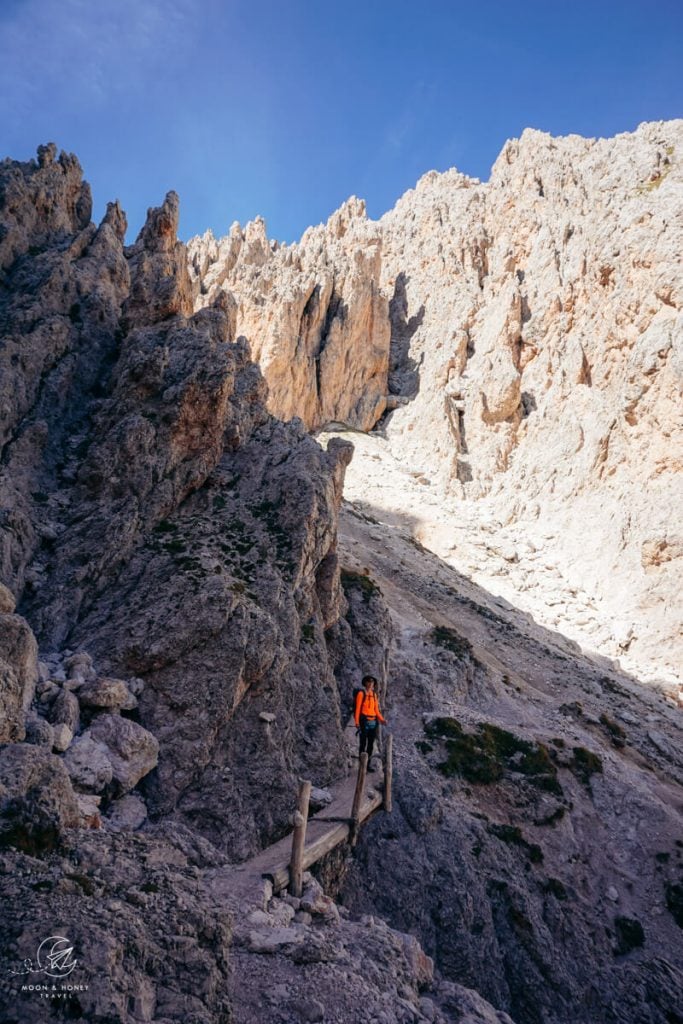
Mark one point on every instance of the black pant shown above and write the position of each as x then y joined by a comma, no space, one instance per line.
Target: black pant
368,731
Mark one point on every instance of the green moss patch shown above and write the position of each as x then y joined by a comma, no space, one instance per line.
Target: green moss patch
485,755
630,934
513,835
674,901
451,641
357,581
613,730
585,764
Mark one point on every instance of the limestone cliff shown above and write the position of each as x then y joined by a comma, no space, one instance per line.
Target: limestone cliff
534,354
546,308
313,313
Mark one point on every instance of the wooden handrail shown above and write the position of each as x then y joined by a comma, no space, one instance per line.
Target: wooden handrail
299,839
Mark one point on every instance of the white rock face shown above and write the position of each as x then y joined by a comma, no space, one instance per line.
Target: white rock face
549,338
535,368
312,312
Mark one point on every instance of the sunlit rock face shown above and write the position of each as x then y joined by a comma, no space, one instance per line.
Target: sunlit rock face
527,332
313,313
544,314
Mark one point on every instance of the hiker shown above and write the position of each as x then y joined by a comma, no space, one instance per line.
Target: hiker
367,715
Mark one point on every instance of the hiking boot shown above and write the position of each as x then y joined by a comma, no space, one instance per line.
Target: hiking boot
371,768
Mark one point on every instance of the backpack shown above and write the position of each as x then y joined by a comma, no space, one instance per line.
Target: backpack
356,691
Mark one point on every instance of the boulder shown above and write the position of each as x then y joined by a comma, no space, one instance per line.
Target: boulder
37,801
89,810
62,737
131,750
80,664
66,711
18,675
107,694
127,814
39,732
321,797
275,940
87,762
7,601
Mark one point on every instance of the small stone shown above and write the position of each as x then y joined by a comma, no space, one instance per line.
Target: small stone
66,711
302,917
267,716
267,893
79,664
74,684
612,894
323,797
89,810
127,814
314,901
49,693
39,732
47,687
274,940
7,600
427,1008
281,912
260,918
112,694
62,738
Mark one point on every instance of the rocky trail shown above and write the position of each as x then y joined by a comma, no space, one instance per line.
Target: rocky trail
597,836
256,879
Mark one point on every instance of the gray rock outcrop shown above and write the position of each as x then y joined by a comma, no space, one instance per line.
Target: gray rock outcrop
37,802
160,520
18,675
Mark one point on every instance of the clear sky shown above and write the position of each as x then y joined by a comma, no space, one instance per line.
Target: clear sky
284,108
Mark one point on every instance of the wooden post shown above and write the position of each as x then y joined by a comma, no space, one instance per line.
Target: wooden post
388,771
358,796
296,868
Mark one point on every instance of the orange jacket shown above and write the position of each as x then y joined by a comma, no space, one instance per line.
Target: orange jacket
367,705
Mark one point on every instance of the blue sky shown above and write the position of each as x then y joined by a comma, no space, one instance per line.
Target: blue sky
284,108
